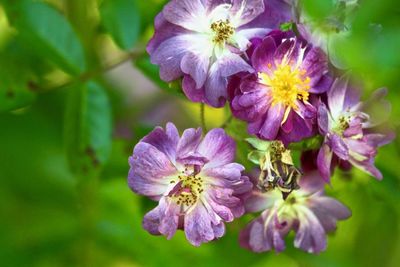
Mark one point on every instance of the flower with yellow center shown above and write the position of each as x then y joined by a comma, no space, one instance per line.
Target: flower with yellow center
288,84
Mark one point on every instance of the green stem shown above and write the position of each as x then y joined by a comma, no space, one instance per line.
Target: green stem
202,117
88,75
227,122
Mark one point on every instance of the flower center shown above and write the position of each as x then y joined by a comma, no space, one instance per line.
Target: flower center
342,125
287,85
187,189
223,31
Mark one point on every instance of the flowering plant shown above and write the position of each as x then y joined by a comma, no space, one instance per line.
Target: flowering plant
257,56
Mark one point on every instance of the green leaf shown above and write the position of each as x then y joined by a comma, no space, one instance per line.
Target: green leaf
48,32
88,128
258,143
18,81
152,72
255,156
288,26
121,19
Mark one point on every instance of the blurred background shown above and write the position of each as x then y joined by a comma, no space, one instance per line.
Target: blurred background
77,92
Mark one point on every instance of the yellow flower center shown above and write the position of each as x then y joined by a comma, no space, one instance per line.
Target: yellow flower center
189,188
223,31
287,85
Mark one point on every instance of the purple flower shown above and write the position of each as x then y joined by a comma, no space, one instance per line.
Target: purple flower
307,211
202,40
276,101
194,180
347,129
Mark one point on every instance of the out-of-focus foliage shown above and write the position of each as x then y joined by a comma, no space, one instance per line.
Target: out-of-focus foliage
67,130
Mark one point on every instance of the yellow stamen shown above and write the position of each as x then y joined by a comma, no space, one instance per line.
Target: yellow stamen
288,84
223,31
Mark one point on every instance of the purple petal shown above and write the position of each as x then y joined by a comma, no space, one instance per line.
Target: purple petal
149,170
218,147
190,90
197,67
316,65
258,201
247,10
169,54
169,219
185,13
189,142
328,211
163,31
339,147
275,13
336,96
272,122
311,182
323,118
165,141
252,237
324,161
310,236
264,55
197,226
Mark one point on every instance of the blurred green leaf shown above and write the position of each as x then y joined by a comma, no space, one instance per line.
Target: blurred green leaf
152,71
88,127
18,81
48,32
121,19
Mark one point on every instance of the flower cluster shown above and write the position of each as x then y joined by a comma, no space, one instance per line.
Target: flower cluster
283,85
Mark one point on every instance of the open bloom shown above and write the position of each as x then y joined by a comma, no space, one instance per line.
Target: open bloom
195,182
276,101
347,129
203,41
307,211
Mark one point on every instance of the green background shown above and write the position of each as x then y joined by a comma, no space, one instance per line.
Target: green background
77,92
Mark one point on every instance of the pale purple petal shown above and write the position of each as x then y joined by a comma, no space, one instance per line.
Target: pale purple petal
197,67
149,170
185,13
189,142
218,147
336,96
310,236
339,147
197,226
246,11
165,141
